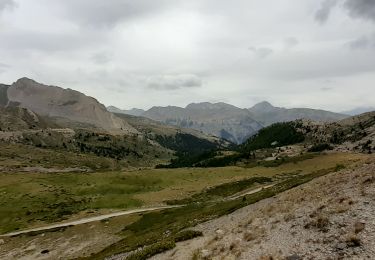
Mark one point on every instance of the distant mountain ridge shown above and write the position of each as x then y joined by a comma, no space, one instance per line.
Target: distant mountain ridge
219,119
267,114
358,111
228,121
132,112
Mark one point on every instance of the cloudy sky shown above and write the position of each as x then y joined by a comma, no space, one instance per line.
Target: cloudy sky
141,53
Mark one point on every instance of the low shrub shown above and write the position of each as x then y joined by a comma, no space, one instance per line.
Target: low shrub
152,250
320,147
186,235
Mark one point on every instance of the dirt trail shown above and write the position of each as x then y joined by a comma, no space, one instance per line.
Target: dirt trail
89,219
236,196
117,214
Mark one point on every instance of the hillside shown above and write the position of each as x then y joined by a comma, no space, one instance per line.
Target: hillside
267,114
17,118
132,112
331,217
56,102
219,119
36,119
293,141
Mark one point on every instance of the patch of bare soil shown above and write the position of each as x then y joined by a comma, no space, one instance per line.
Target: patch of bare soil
332,217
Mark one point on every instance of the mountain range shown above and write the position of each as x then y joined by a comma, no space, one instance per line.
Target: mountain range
34,115
70,108
228,121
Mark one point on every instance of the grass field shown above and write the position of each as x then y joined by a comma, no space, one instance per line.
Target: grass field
33,199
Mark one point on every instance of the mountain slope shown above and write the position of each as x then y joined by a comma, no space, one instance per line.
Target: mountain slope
230,122
57,102
358,111
267,114
17,118
219,119
3,95
132,112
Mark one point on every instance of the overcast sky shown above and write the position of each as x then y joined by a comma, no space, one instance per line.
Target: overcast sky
141,53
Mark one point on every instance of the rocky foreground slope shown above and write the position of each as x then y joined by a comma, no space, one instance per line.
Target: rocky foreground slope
332,217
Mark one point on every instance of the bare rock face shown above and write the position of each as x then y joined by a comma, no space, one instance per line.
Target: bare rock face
65,103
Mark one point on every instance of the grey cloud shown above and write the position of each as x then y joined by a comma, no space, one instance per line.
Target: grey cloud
46,42
362,43
3,67
101,57
361,9
172,82
290,42
261,52
7,4
322,14
110,12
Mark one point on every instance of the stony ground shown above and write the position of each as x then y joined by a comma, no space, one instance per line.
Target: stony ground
332,217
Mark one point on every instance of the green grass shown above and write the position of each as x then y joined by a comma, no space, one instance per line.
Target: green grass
52,197
34,199
283,160
16,156
152,250
156,227
187,235
222,191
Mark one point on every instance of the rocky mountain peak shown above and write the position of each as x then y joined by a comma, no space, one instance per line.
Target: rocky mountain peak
208,105
57,102
263,106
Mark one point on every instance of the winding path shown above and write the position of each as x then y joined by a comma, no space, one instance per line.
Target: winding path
117,214
88,220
